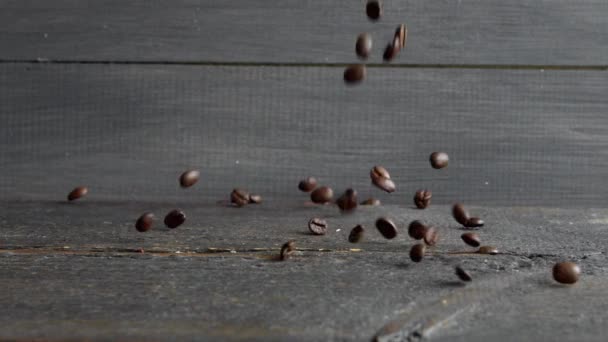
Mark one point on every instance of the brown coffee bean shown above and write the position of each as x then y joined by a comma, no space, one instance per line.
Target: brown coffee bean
401,34
474,222
471,239
379,172
239,197
431,236
322,195
255,199
385,184
439,160
145,222
77,193
371,201
386,227
175,218
348,200
391,50
422,198
317,226
462,274
356,234
566,272
417,252
417,230
373,9
364,45
461,215
487,250
308,184
189,178
355,73
287,250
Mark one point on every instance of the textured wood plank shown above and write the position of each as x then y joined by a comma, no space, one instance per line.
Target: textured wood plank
514,137
440,31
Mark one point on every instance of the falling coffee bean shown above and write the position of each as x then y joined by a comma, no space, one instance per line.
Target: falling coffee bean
401,34
348,200
462,274
175,218
322,195
145,222
317,226
471,239
255,199
189,178
77,193
364,45
356,234
382,179
474,222
461,215
373,9
417,252
371,201
308,184
391,50
239,197
431,236
566,272
287,250
488,250
417,230
386,227
355,73
422,198
439,160
379,172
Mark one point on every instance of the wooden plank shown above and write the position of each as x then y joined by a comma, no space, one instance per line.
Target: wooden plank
515,137
555,32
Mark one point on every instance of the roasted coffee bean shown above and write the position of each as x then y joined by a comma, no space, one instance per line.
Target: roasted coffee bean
461,215
255,199
356,234
431,236
379,172
487,250
417,252
287,250
317,226
373,9
386,227
391,50
348,200
322,195
439,160
462,274
371,201
385,184
566,272
401,34
471,239
308,184
239,197
189,178
77,193
175,218
355,73
417,230
364,45
422,198
145,222
474,222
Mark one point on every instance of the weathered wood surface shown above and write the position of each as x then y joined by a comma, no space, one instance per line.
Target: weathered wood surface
515,137
555,32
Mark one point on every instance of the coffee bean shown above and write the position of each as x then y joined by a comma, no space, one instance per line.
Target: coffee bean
364,45
189,178
317,226
471,239
474,222
239,197
386,227
391,50
322,195
439,160
379,172
431,236
462,274
566,272
417,230
385,184
255,199
417,252
487,250
287,250
348,200
355,73
145,222
401,34
373,9
77,193
175,218
308,184
356,234
371,201
422,198
461,215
